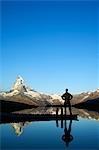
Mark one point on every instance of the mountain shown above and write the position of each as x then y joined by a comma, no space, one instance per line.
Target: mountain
88,100
22,94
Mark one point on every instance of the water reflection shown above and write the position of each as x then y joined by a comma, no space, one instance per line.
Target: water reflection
18,127
67,137
62,131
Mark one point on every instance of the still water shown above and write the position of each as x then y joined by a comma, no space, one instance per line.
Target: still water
84,134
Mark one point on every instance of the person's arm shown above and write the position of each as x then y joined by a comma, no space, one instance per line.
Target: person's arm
63,97
71,96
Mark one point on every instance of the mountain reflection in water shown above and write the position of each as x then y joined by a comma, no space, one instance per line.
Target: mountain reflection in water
56,134
84,113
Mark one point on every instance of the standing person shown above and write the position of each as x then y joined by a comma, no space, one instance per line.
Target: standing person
67,97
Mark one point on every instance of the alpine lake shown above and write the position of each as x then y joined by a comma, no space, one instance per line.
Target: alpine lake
81,134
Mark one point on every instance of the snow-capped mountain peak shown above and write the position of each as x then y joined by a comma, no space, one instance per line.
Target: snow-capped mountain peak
19,85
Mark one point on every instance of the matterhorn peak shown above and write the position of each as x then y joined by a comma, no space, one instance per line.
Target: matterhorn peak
19,78
19,84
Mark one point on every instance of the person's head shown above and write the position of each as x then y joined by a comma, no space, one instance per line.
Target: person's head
66,90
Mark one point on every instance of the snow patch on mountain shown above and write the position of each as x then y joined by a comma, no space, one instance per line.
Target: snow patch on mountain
32,94
84,98
97,90
12,93
55,96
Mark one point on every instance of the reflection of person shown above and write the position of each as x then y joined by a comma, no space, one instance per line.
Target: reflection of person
67,97
67,137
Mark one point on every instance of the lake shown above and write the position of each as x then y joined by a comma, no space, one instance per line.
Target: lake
81,134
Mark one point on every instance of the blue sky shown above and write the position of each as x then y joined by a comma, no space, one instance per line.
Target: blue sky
51,44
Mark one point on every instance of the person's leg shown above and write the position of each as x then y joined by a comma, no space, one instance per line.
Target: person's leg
65,106
70,108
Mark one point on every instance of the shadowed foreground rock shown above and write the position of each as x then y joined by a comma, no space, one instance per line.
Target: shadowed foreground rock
11,106
92,104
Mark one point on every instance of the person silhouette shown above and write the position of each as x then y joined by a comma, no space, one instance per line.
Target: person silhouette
67,137
67,97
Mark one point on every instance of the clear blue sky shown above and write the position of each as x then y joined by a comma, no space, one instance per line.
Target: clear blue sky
52,45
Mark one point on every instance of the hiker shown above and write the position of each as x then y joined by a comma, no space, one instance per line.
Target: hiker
67,97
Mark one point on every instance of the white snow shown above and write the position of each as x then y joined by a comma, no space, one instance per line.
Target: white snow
9,94
85,97
97,90
32,94
55,96
19,84
15,92
89,93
